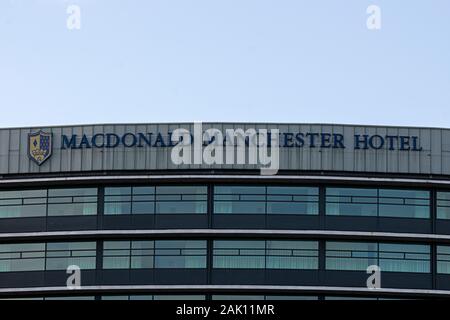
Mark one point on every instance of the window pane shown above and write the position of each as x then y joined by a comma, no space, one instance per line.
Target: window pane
350,255
23,203
22,257
443,205
60,255
292,200
239,200
351,202
181,200
389,257
443,259
72,202
404,203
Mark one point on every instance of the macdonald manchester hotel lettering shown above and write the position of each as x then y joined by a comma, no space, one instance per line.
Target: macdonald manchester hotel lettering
287,140
300,147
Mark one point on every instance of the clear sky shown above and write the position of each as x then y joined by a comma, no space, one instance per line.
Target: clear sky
225,60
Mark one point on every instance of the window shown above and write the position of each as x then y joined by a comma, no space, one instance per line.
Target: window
181,200
351,202
262,200
160,200
389,257
72,202
404,203
260,254
21,204
50,256
261,297
22,257
292,200
443,205
130,200
443,259
52,202
60,255
154,254
378,202
155,297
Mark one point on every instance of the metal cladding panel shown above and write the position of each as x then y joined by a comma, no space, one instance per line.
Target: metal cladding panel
298,151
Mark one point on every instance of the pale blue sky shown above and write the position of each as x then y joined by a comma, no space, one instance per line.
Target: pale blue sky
225,60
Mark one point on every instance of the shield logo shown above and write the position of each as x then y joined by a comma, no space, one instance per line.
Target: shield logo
39,146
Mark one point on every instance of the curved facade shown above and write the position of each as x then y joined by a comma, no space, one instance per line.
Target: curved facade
110,200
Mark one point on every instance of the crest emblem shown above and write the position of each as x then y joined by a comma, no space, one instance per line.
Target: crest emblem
39,146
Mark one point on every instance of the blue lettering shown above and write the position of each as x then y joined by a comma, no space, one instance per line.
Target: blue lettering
84,142
69,144
288,143
146,138
94,140
338,141
133,140
373,142
358,141
109,143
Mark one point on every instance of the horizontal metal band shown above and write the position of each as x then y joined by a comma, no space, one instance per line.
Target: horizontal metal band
240,178
234,289
227,233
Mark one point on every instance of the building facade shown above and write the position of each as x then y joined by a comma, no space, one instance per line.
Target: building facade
109,200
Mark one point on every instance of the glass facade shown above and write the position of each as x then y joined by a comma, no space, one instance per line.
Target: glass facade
378,202
191,256
51,202
388,256
443,259
266,200
443,205
269,254
47,256
226,200
154,254
159,200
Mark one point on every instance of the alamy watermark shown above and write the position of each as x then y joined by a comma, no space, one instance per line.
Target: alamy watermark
374,20
73,21
374,280
74,279
259,147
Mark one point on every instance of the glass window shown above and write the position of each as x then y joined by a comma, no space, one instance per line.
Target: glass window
154,254
180,254
260,254
292,254
239,199
160,200
261,297
389,257
378,202
404,203
233,254
24,203
22,257
404,257
350,255
262,200
351,202
118,200
292,200
116,254
50,256
130,200
181,200
443,259
61,255
443,205
72,202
